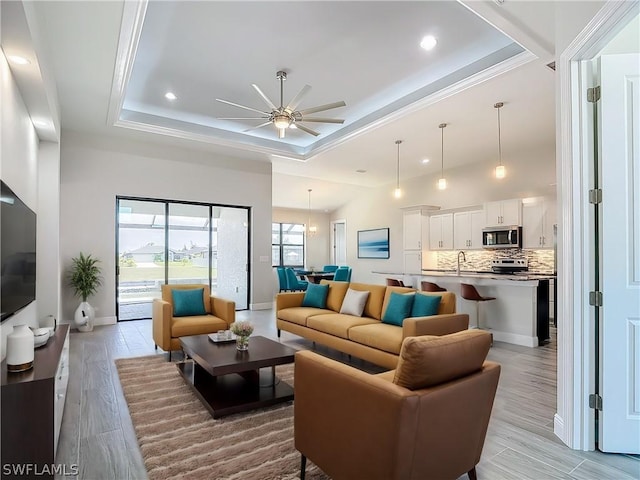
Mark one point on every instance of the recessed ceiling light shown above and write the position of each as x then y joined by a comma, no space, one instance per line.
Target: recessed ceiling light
428,42
170,96
360,170
424,161
18,60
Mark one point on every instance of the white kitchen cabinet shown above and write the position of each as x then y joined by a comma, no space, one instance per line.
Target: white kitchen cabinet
441,232
467,229
412,262
503,213
538,218
415,238
412,229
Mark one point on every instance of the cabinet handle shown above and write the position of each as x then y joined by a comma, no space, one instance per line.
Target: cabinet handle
544,240
419,244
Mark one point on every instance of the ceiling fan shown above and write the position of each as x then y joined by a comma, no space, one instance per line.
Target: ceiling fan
286,117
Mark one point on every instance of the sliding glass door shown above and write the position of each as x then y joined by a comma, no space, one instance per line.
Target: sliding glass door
160,241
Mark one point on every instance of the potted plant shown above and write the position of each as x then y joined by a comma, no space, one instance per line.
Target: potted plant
85,280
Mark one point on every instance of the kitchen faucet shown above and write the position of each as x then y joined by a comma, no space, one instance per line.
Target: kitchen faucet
464,259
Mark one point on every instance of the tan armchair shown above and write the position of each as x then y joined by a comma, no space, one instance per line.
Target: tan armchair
425,420
167,329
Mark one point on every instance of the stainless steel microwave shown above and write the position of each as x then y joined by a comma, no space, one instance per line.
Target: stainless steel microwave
502,237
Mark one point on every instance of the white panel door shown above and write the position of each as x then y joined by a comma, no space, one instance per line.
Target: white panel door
620,322
339,256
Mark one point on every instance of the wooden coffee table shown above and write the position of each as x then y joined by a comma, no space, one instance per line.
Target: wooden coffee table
228,381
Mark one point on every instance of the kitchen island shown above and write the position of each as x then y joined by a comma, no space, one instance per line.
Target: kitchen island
518,315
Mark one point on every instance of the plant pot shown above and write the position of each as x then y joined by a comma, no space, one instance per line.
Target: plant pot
242,343
84,316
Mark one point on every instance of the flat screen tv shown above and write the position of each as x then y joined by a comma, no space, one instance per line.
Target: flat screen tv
17,253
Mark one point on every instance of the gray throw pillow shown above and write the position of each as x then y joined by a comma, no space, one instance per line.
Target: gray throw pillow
354,302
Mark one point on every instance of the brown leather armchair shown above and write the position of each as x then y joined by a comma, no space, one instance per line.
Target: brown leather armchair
425,420
167,329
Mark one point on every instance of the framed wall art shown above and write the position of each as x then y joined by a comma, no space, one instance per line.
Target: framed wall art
373,243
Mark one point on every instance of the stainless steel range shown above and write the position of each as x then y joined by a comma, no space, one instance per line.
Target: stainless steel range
510,266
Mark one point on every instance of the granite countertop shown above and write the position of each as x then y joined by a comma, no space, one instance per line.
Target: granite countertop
518,277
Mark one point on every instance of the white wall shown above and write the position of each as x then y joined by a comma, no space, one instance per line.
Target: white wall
48,237
94,170
530,174
18,169
318,246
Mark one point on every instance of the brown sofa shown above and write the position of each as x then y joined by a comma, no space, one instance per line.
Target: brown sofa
365,337
426,420
167,329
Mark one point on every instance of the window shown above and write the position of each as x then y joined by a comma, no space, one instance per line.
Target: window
287,245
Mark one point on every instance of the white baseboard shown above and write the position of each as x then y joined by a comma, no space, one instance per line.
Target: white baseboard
261,306
514,338
105,320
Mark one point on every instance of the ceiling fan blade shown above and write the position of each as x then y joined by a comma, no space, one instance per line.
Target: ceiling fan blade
308,130
242,106
240,118
321,120
259,126
264,97
295,101
322,108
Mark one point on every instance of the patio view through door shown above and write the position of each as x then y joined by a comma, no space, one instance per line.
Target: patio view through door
161,241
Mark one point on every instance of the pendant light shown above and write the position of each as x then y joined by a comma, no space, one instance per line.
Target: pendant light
500,170
311,229
442,182
397,192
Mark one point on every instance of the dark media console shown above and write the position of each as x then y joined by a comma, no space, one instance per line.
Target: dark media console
32,408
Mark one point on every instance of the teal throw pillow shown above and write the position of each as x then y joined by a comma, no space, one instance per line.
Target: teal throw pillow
425,305
188,302
398,308
316,296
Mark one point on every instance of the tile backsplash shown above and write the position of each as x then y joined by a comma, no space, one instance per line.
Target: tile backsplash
540,261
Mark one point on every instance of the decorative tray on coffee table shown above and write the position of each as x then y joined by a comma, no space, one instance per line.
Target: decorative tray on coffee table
217,339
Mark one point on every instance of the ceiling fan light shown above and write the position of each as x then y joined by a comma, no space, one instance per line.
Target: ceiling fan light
442,183
281,132
428,42
501,172
282,121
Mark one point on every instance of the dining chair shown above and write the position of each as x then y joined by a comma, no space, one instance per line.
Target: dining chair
282,279
292,281
343,274
392,282
329,268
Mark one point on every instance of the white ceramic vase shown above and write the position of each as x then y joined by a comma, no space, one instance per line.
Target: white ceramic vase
20,346
84,316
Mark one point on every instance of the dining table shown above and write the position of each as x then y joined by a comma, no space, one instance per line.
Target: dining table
315,277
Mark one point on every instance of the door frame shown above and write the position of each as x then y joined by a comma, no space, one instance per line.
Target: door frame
574,421
185,202
333,239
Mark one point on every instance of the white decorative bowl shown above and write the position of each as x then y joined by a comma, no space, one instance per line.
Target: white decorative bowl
40,336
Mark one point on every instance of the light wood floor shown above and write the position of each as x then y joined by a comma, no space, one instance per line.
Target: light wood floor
98,437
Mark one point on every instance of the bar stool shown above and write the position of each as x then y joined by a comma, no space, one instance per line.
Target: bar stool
431,287
392,282
469,292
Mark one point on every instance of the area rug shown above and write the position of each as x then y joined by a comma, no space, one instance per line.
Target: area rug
178,438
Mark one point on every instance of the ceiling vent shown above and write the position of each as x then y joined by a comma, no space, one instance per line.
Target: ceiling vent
552,66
